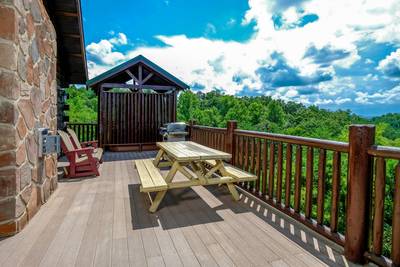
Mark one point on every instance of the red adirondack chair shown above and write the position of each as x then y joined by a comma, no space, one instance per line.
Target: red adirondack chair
82,162
98,151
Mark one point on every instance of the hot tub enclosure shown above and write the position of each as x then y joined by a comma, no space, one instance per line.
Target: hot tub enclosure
135,99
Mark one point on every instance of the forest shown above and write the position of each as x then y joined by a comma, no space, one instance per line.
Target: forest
265,114
255,113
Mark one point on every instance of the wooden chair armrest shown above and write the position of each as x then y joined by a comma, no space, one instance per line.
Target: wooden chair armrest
83,151
90,144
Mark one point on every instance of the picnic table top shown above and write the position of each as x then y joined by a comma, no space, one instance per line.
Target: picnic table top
189,151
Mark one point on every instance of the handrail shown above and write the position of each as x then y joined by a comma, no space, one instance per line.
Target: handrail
298,140
81,123
209,128
385,152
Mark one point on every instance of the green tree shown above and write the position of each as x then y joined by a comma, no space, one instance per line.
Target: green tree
187,105
82,105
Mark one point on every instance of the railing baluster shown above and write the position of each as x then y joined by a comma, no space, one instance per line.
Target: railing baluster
258,163
241,152
247,158
235,156
309,181
265,160
396,219
83,132
79,133
246,154
336,176
321,185
288,175
271,170
380,181
297,182
279,174
252,155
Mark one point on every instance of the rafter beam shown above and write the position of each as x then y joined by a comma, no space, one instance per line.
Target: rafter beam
132,76
134,86
147,77
140,75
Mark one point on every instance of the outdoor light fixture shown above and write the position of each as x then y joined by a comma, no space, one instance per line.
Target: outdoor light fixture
48,143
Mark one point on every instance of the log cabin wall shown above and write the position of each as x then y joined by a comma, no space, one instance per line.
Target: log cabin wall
131,121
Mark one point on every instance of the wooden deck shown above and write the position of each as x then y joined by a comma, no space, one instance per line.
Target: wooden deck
105,221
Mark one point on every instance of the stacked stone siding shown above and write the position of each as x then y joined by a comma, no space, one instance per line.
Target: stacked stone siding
28,98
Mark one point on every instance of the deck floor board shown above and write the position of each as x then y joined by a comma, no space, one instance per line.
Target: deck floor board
104,221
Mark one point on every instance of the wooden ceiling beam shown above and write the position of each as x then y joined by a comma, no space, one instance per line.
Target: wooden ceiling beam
66,14
75,55
71,35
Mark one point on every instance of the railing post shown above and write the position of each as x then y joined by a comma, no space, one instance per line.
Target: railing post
361,137
191,123
229,138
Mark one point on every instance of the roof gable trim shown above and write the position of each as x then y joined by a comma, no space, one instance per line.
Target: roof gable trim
128,64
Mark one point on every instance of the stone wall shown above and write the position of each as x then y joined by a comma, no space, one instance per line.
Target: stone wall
28,98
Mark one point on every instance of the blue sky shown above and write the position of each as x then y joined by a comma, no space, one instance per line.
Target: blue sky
335,54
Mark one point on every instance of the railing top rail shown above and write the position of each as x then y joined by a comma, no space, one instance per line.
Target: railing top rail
298,140
81,123
385,152
208,128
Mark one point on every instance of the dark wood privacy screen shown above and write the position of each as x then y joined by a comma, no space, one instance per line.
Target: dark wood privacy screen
133,119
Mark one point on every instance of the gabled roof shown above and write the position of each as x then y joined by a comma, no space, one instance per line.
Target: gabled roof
119,73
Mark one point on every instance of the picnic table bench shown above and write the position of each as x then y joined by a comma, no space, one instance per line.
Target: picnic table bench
207,167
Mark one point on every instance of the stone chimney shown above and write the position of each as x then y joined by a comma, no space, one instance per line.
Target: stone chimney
28,97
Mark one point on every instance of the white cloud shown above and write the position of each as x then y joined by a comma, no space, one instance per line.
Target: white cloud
103,52
391,64
340,101
102,55
341,25
120,39
391,96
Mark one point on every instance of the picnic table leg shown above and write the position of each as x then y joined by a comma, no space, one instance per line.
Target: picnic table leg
158,157
233,191
160,195
231,186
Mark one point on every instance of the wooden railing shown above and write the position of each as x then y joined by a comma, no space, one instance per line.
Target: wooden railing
386,183
84,131
315,181
212,136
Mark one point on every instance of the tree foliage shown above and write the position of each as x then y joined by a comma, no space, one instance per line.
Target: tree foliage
263,113
266,114
82,105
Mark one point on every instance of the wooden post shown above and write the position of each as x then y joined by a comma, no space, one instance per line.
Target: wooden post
100,119
229,139
361,137
192,122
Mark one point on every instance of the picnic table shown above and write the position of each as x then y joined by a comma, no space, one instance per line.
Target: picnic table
201,165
